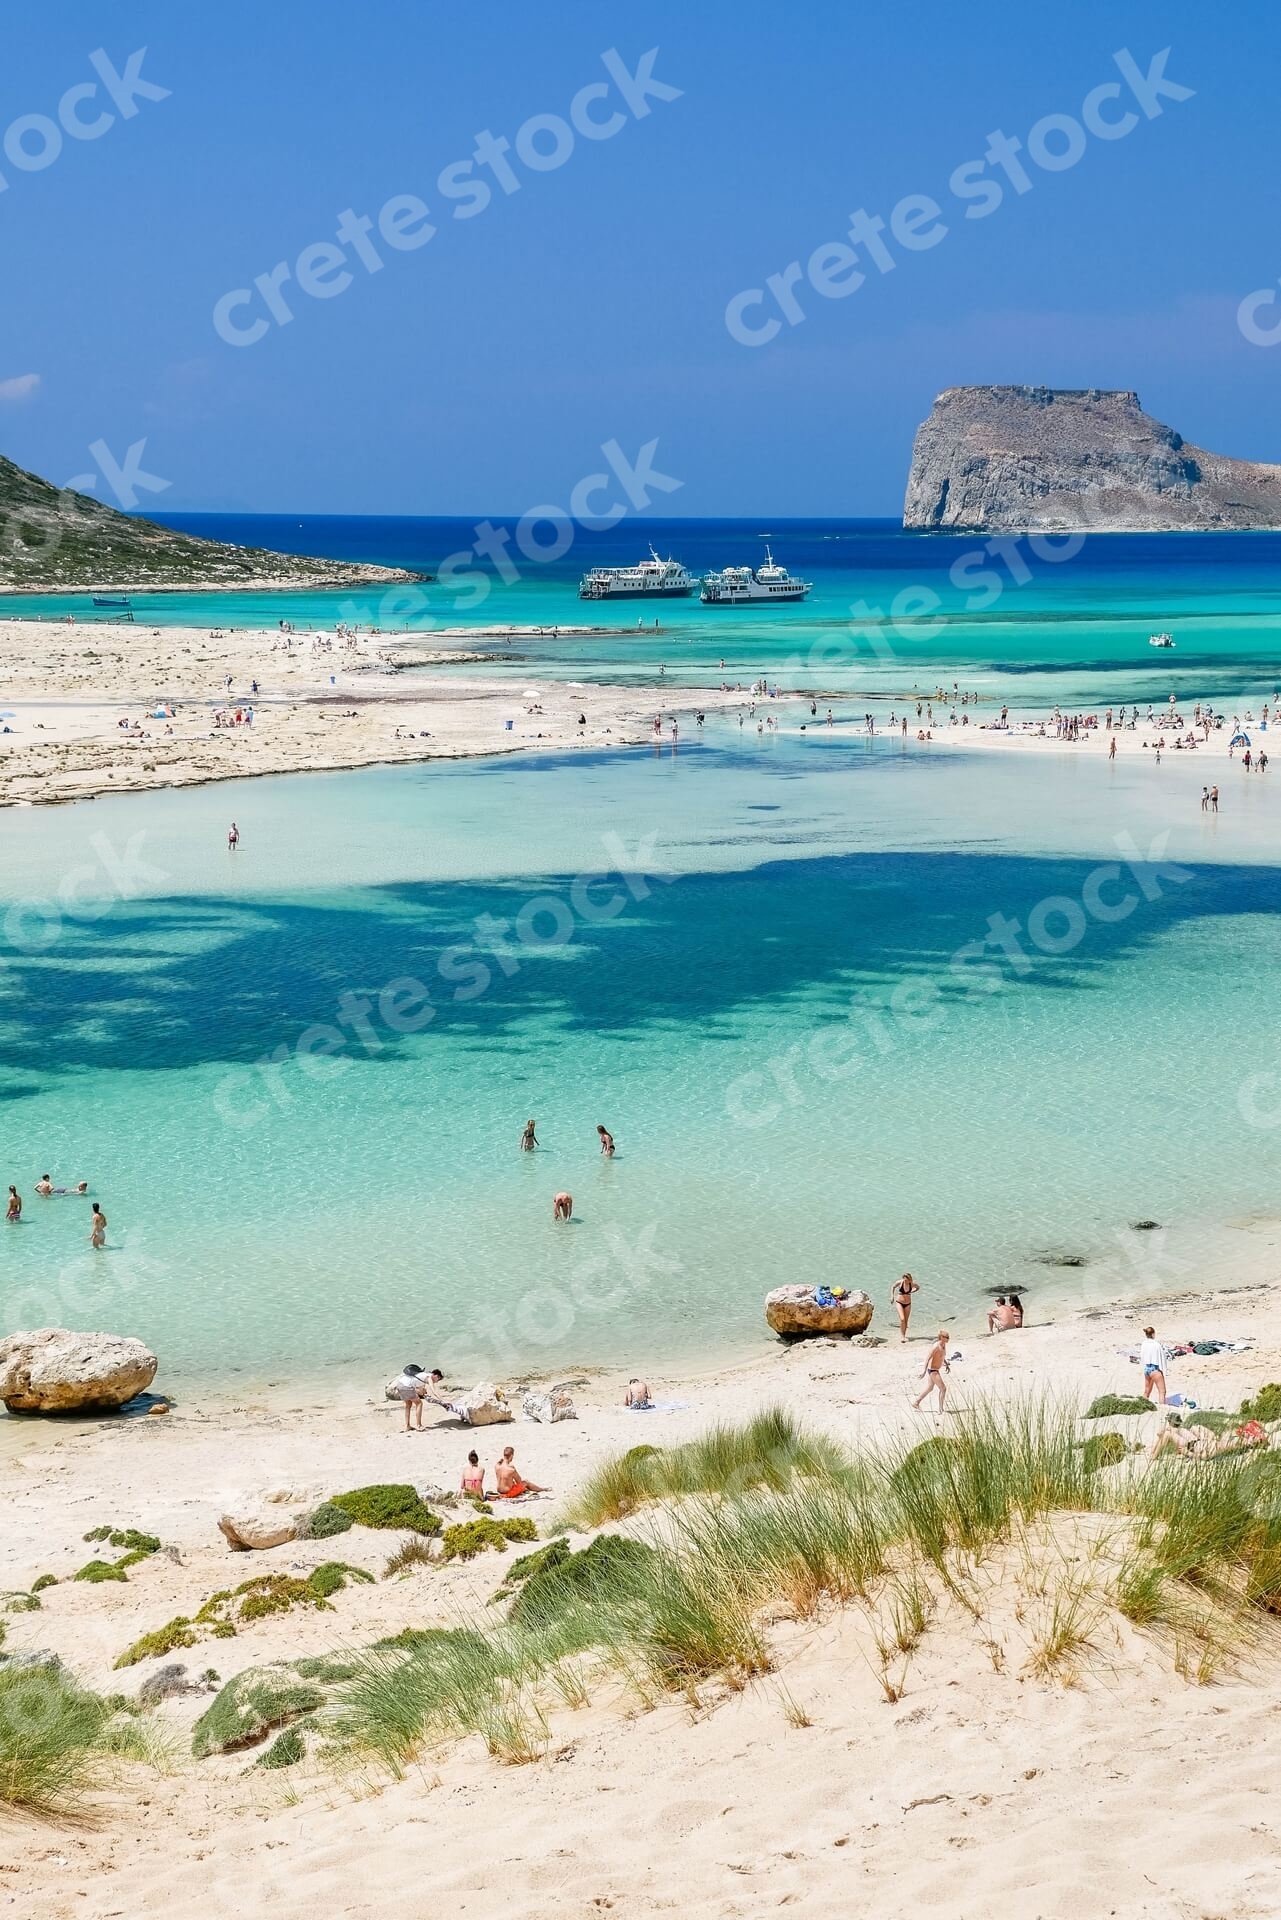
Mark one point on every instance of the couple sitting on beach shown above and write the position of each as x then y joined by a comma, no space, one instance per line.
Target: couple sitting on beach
509,1485
1006,1315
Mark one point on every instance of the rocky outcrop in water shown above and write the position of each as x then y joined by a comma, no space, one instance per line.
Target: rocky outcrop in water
1045,459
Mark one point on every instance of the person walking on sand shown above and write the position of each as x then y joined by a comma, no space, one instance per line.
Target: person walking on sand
1152,1361
527,1139
935,1368
901,1300
233,837
606,1142
14,1212
98,1234
563,1206
1112,748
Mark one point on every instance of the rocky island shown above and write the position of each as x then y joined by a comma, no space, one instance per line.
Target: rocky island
58,539
1045,459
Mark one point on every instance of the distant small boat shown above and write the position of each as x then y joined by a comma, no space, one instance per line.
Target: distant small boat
1160,639
101,600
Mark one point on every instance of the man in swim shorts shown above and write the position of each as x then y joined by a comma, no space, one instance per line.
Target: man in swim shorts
637,1394
935,1368
510,1484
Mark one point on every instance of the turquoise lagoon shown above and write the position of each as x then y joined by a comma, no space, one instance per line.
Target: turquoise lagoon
1025,626
369,1205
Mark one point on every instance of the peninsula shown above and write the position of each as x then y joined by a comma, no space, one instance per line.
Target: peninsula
58,540
1045,459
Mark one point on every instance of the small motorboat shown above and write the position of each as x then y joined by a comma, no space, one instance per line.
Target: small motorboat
1160,639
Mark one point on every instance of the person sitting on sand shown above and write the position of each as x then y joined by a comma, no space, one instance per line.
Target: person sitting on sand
935,1367
637,1394
510,1484
527,1139
98,1227
563,1206
1005,1315
606,1142
1016,1308
473,1481
14,1212
901,1300
44,1185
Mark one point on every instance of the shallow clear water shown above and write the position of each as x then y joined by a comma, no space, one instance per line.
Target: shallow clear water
1020,624
369,1202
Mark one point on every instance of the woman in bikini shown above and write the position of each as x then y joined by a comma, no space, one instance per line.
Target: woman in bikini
901,1300
474,1477
510,1484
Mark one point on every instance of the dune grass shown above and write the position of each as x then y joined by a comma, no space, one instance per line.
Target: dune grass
57,1739
747,1520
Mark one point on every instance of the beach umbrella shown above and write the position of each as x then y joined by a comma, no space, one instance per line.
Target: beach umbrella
1239,740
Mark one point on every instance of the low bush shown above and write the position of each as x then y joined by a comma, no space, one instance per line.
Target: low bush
95,1571
333,1576
1265,1405
327,1520
1114,1403
251,1706
387,1506
1103,1450
415,1552
44,1580
179,1632
286,1750
471,1537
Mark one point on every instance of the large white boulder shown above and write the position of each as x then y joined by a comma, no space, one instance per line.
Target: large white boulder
485,1406
267,1517
56,1371
793,1312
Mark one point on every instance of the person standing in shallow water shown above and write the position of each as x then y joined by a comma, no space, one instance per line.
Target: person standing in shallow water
563,1206
901,1300
606,1142
233,837
98,1235
527,1140
14,1211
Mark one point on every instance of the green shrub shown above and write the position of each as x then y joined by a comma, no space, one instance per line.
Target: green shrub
139,1543
176,1633
333,1576
328,1669
1102,1450
251,1706
286,1750
327,1520
45,1580
1265,1404
471,1537
271,1593
19,1602
1114,1403
95,1571
387,1506
428,1639
97,1533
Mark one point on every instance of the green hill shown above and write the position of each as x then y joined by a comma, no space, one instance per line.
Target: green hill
51,540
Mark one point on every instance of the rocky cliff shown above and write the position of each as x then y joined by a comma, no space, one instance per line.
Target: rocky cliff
51,539
1046,459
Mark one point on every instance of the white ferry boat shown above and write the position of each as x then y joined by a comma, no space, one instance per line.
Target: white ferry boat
1161,640
651,579
734,586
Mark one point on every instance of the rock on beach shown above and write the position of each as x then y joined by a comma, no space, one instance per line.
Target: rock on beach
56,1371
791,1312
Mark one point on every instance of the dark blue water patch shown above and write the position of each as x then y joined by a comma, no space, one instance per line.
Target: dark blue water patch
193,981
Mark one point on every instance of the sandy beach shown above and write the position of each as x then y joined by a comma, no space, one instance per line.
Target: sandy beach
98,708
982,1789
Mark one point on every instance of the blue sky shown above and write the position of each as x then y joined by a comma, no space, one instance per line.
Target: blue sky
483,370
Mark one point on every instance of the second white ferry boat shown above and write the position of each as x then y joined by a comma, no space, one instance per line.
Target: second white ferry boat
736,585
651,579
